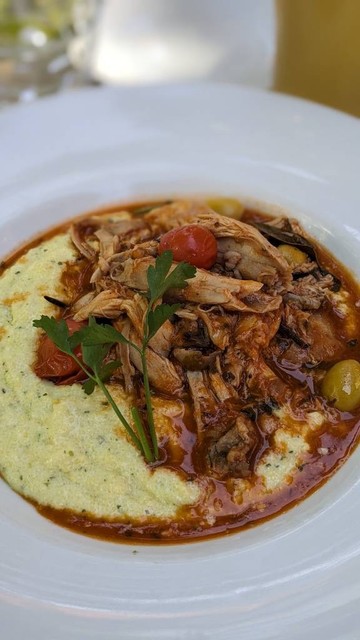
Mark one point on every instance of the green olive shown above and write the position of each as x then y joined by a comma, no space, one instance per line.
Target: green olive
292,255
342,385
229,207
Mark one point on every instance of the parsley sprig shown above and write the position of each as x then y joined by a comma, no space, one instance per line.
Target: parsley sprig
96,341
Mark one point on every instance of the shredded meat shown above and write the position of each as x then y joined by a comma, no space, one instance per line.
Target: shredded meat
222,390
228,437
108,261
234,327
163,375
243,248
109,243
253,333
316,331
105,304
304,269
230,450
219,324
204,288
176,214
252,255
194,360
261,382
204,401
191,333
310,292
324,345
77,237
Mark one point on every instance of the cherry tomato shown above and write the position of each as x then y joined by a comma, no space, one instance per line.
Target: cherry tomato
192,243
53,363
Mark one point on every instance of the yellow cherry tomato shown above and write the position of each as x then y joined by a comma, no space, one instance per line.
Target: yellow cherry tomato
229,207
292,255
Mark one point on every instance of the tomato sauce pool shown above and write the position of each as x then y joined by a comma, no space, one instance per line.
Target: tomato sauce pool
338,438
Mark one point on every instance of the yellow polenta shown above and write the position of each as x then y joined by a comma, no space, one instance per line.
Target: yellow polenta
58,446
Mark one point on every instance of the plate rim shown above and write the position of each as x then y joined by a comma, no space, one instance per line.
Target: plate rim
23,111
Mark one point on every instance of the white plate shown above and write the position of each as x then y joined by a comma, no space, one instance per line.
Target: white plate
295,576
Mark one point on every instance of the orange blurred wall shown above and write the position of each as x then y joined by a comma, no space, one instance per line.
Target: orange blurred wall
318,51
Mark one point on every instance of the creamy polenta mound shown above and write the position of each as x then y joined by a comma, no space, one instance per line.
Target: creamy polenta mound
60,447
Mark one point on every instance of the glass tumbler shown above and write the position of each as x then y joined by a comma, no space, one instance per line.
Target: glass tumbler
34,35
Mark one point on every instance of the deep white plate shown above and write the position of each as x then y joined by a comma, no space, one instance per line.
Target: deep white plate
296,576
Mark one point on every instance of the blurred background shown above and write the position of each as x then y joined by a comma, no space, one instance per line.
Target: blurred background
309,48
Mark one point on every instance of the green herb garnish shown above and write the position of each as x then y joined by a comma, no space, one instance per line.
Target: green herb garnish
97,339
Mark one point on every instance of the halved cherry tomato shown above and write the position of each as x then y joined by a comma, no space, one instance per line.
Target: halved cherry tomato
193,243
53,363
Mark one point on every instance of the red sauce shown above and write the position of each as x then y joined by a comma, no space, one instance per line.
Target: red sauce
192,525
338,437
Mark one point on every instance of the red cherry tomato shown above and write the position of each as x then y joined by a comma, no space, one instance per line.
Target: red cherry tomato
53,363
192,243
